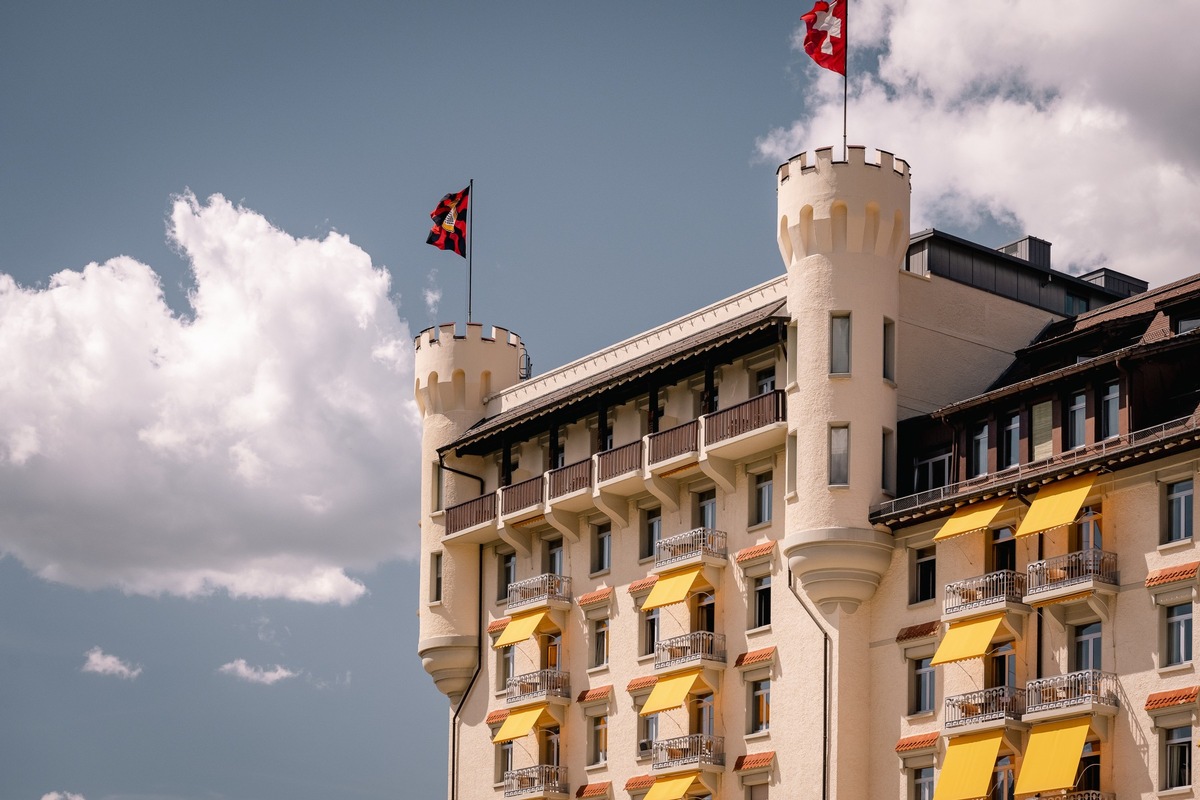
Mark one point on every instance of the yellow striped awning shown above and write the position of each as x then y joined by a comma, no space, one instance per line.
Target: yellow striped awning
673,788
521,721
520,628
1052,755
1056,505
967,768
673,587
969,519
968,638
671,692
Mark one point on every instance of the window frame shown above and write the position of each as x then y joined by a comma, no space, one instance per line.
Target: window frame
923,685
1176,742
764,498
1009,454
1177,634
601,548
977,450
597,751
1109,411
651,533
1179,522
840,340
919,557
839,454
506,569
758,706
649,631
889,350
760,590
503,762
1075,421
436,565
600,642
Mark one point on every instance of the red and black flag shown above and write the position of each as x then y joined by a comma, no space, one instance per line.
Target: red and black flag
449,231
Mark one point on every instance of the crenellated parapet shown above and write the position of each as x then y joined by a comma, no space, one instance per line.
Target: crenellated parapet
459,372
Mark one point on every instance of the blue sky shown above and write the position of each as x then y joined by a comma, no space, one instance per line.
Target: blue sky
212,260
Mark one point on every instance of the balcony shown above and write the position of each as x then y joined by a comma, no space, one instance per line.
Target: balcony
620,470
570,487
543,684
987,706
1078,573
543,780
472,517
674,444
698,749
758,424
703,545
1088,691
984,593
553,591
699,646
522,499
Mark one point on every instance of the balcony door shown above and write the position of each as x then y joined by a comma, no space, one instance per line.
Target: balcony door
1004,550
705,617
554,557
1087,646
706,509
551,651
1087,778
1087,535
704,715
550,746
1002,667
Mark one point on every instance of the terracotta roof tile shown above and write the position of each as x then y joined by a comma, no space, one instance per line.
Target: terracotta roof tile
754,551
755,657
1174,697
639,782
594,789
496,717
497,625
924,630
643,584
753,761
1180,572
598,596
641,683
592,695
918,742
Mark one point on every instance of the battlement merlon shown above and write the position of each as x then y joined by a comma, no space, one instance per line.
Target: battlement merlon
823,159
474,333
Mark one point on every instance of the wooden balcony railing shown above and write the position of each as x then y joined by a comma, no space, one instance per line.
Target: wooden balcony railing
1072,568
620,460
757,412
674,441
694,646
700,541
1074,688
521,495
982,590
1000,702
543,683
471,513
542,587
570,478
698,748
542,778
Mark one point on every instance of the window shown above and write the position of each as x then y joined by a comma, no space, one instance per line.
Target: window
924,575
923,676
706,509
839,344
979,451
931,473
839,455
762,602
1110,411
651,530
1178,743
703,714
1179,634
1076,425
889,349
757,791
1087,646
649,631
763,493
760,706
598,739
506,573
1041,435
764,380
599,642
1186,324
506,666
554,557
504,761
647,733
1179,511
1087,777
1003,784
550,750
1088,535
1004,550
1075,304
435,578
1002,667
1010,441
602,547
922,780
705,613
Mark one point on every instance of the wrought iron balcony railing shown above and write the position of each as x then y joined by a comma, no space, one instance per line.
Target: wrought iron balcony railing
698,748
757,412
1000,702
471,513
1074,688
543,683
694,646
539,778
1072,568
983,590
699,541
540,587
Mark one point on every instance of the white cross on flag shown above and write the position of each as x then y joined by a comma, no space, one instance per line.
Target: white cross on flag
825,41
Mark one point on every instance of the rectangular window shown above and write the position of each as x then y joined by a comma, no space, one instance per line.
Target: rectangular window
649,631
506,664
924,574
435,578
1088,533
1179,634
1075,304
1179,511
647,733
437,486
1178,757
931,473
763,498
979,452
839,344
760,706
757,791
1087,647
506,573
1186,324
764,380
1076,425
839,455
889,349
923,677
598,739
599,642
553,558
504,761
706,509
1042,433
651,530
1010,441
1003,784
762,602
602,547
1002,667
1110,411
922,778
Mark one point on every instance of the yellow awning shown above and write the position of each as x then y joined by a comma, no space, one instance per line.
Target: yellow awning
521,722
967,638
967,768
673,587
670,692
1052,755
1056,504
673,788
520,628
969,519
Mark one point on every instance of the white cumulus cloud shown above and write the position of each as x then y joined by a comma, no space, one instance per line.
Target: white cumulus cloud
1075,122
261,445
62,796
243,671
103,663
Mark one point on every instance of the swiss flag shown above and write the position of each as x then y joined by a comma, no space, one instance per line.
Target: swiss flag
826,37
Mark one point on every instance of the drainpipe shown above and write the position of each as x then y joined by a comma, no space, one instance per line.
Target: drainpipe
442,466
467,691
825,669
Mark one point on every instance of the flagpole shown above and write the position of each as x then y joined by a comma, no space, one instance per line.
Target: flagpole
845,79
470,240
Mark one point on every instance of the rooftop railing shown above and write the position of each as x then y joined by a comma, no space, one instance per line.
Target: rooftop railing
1076,567
1074,688
757,412
540,778
471,513
543,683
570,478
1000,702
982,590
541,587
694,646
521,495
620,460
674,441
697,542
698,748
